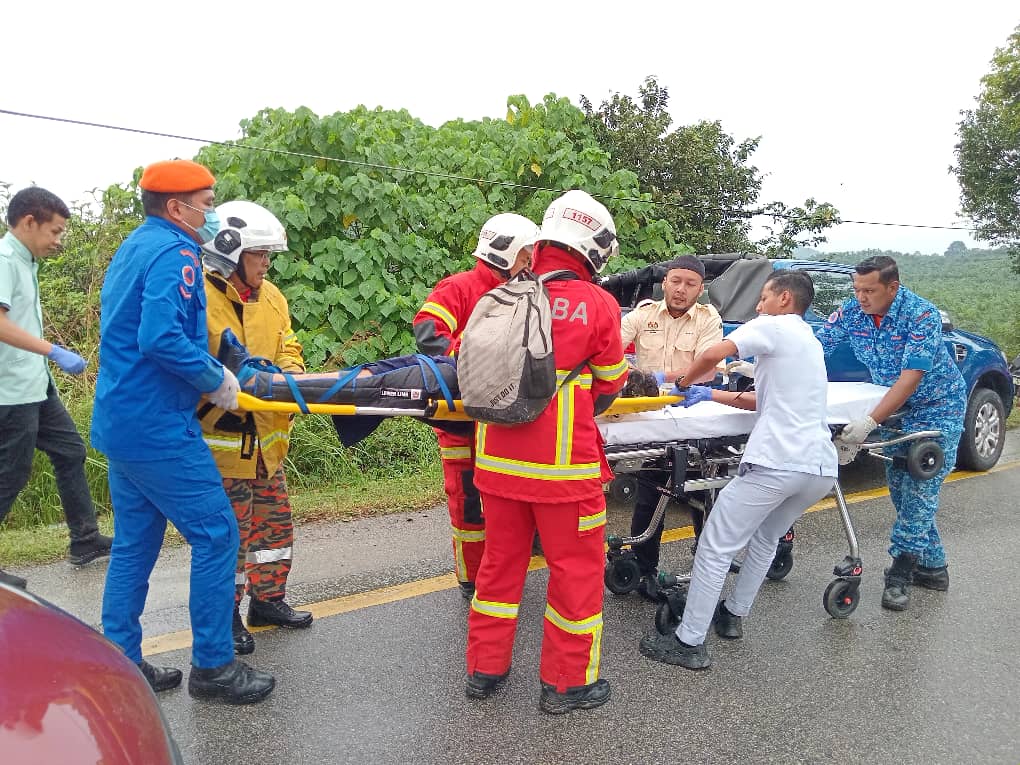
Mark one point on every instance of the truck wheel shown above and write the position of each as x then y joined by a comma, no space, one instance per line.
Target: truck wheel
984,431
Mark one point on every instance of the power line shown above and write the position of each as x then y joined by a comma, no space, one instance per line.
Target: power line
449,176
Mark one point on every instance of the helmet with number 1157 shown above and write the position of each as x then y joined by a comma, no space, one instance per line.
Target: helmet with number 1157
580,223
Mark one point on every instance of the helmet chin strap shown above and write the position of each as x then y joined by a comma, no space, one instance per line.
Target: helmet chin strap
243,275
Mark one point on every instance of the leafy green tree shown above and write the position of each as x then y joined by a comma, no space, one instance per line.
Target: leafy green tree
956,249
701,175
988,153
368,242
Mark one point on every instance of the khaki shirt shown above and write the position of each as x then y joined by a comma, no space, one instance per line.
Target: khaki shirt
665,344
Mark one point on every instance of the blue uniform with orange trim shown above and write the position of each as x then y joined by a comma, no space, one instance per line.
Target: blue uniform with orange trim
909,336
154,366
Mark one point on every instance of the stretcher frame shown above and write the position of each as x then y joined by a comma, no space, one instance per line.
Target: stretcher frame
695,471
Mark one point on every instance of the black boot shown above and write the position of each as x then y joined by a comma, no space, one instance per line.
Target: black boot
896,596
12,580
244,643
582,697
160,678
234,683
936,578
481,685
265,612
727,625
669,649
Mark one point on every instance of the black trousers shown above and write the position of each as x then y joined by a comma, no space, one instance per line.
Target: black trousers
48,427
644,508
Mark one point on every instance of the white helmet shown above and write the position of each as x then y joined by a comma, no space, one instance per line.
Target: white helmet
244,226
576,220
503,237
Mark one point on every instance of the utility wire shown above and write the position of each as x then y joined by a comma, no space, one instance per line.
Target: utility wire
449,176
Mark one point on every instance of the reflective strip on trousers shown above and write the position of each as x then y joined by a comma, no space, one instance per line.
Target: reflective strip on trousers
590,626
523,469
468,535
455,452
268,556
589,522
494,609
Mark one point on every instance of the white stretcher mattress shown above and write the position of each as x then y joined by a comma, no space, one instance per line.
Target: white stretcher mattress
846,401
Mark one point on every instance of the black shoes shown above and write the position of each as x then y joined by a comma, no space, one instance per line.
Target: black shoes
481,685
648,588
12,580
160,678
83,553
467,590
932,578
727,625
265,612
582,697
670,650
234,683
896,596
244,643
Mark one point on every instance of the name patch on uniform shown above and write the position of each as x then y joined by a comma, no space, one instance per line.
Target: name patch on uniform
411,394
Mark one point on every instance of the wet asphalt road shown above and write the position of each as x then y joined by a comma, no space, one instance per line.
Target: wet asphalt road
939,683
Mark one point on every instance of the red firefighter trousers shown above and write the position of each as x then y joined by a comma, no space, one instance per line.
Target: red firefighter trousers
572,540
466,521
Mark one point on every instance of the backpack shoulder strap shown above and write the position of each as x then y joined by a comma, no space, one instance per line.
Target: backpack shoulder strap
561,275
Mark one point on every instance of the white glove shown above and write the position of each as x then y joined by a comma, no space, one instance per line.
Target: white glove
846,452
745,368
225,396
856,431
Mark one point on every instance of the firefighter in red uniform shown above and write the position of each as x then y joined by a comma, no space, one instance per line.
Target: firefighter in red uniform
549,473
504,248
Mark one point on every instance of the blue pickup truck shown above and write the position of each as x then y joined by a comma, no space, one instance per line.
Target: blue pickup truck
733,285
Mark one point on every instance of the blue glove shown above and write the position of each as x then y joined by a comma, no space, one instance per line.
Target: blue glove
693,395
660,377
67,360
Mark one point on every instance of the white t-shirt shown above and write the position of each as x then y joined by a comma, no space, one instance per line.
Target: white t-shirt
790,386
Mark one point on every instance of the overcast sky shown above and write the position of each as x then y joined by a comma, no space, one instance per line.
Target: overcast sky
856,103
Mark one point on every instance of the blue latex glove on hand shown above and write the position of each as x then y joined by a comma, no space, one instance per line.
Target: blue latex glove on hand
693,395
660,377
67,360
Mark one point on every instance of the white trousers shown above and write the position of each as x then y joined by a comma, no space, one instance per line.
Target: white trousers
754,510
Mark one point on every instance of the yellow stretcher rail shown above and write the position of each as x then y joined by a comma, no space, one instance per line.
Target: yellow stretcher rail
438,411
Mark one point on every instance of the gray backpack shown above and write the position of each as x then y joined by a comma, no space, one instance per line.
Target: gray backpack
505,367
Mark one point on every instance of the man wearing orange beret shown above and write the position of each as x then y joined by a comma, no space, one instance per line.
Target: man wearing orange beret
154,368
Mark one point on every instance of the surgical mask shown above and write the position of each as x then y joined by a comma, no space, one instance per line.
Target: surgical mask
208,230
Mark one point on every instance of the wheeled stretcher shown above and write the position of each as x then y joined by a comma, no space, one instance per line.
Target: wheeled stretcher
697,451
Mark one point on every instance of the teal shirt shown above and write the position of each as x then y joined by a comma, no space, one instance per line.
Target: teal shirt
24,375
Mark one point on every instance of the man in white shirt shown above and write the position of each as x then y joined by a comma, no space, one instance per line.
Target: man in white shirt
789,463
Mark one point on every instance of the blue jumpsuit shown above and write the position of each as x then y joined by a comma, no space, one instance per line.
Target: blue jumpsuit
154,365
909,337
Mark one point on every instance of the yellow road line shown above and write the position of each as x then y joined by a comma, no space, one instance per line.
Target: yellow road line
173,641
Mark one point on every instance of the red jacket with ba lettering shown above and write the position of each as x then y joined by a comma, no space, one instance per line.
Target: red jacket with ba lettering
439,323
559,456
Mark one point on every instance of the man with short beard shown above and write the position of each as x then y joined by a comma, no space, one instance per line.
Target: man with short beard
667,335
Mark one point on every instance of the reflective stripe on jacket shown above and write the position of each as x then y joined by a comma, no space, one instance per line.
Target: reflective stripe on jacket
559,456
265,330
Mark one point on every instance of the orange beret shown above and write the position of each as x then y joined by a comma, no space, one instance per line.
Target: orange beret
181,175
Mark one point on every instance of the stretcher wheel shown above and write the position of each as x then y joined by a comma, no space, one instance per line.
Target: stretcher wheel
623,489
925,459
622,575
669,613
782,564
841,598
